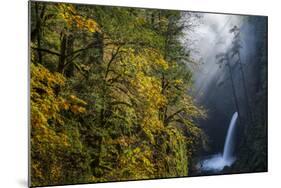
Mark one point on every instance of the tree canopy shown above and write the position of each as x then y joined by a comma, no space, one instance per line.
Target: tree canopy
109,94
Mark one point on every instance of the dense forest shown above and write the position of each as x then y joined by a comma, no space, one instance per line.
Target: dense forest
109,94
115,96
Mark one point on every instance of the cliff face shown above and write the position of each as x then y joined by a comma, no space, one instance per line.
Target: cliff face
252,151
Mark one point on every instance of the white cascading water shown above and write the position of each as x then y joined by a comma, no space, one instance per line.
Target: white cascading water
218,162
229,141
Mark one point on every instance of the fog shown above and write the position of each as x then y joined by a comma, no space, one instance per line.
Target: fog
212,86
210,37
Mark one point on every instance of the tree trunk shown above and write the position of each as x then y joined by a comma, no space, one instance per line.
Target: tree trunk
69,70
62,58
249,110
38,30
233,90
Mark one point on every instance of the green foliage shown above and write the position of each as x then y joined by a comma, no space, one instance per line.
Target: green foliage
56,152
109,95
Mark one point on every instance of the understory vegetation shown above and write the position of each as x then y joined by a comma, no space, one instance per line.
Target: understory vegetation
109,94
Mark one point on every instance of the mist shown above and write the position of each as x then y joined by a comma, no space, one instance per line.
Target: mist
212,86
210,38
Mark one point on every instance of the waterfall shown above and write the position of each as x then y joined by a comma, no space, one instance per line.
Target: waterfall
229,141
217,162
